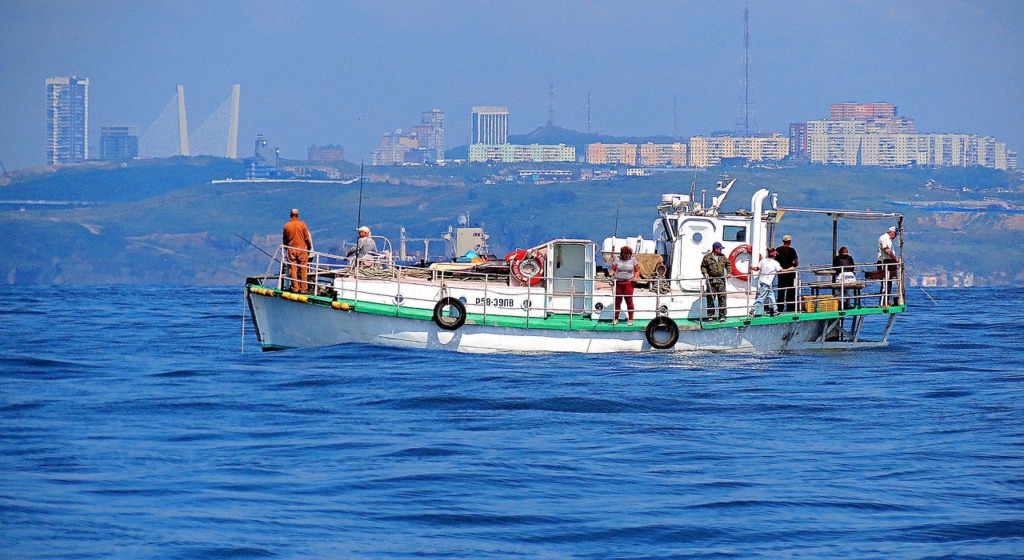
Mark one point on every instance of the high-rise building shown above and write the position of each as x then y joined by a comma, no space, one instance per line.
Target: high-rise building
119,142
662,155
798,144
710,151
67,120
325,153
421,144
861,111
490,125
397,148
855,143
431,133
600,153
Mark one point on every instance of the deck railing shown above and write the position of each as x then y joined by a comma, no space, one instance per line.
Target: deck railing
816,288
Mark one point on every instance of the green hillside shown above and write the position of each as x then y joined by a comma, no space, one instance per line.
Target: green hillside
164,222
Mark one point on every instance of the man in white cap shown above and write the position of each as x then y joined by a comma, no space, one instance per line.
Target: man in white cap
788,260
887,257
365,245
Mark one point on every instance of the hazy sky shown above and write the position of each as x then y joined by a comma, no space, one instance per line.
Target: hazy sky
345,73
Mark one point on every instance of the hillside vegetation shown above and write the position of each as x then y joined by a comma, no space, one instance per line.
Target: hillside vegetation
163,221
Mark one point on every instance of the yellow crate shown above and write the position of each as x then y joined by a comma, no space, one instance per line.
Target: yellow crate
828,304
814,304
810,303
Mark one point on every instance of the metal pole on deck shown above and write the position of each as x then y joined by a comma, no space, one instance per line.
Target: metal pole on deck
835,235
903,271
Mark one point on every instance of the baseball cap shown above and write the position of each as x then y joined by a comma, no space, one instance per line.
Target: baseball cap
892,229
790,237
718,245
363,228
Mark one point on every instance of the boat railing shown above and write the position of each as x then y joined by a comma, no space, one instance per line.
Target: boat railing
816,287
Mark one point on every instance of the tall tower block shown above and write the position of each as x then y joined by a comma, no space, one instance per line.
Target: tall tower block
67,116
490,125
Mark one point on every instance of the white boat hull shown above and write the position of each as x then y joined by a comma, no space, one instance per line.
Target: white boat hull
282,323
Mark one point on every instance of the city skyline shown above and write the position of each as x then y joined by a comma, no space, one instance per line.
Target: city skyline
343,73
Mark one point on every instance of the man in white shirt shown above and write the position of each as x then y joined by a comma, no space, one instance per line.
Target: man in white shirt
768,268
887,258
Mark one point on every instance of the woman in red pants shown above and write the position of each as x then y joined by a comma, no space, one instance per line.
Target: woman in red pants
625,270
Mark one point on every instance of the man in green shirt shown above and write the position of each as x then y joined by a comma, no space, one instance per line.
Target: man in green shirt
715,267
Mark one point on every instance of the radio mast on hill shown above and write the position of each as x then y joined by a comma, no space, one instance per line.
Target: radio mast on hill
551,104
746,124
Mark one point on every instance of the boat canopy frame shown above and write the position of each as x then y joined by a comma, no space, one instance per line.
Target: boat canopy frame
850,215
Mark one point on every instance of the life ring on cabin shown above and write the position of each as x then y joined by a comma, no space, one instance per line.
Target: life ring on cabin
737,255
449,314
662,333
525,267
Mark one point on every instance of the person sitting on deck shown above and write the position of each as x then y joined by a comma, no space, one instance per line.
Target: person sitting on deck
365,246
842,262
845,274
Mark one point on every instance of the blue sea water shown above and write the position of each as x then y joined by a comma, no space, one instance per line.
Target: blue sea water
134,427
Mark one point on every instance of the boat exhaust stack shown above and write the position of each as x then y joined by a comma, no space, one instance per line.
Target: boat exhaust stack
757,241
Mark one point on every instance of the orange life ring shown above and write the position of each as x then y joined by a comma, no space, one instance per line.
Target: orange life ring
525,267
736,254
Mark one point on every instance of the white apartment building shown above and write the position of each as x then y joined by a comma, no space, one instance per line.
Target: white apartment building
710,151
663,155
852,143
515,153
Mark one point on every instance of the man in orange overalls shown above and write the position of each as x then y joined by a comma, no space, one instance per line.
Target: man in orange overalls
298,242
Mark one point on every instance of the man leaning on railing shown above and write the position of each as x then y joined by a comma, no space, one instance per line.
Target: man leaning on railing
889,263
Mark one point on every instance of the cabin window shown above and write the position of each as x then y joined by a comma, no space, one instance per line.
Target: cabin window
734,233
697,237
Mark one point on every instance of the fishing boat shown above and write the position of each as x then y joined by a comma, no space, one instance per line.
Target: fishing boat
557,297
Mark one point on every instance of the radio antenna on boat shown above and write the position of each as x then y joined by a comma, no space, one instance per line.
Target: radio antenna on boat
616,232
693,190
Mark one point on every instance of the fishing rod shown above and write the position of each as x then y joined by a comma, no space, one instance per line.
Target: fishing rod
359,214
258,248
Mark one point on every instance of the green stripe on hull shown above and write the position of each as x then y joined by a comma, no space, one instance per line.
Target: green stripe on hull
566,322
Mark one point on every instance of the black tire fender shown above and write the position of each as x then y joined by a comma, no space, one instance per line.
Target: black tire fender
443,317
656,331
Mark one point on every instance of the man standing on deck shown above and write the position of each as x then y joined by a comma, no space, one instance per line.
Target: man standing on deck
887,258
298,242
714,267
788,259
768,269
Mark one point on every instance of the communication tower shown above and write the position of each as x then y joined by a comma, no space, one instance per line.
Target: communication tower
746,125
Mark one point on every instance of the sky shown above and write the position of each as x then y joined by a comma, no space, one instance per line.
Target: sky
338,72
